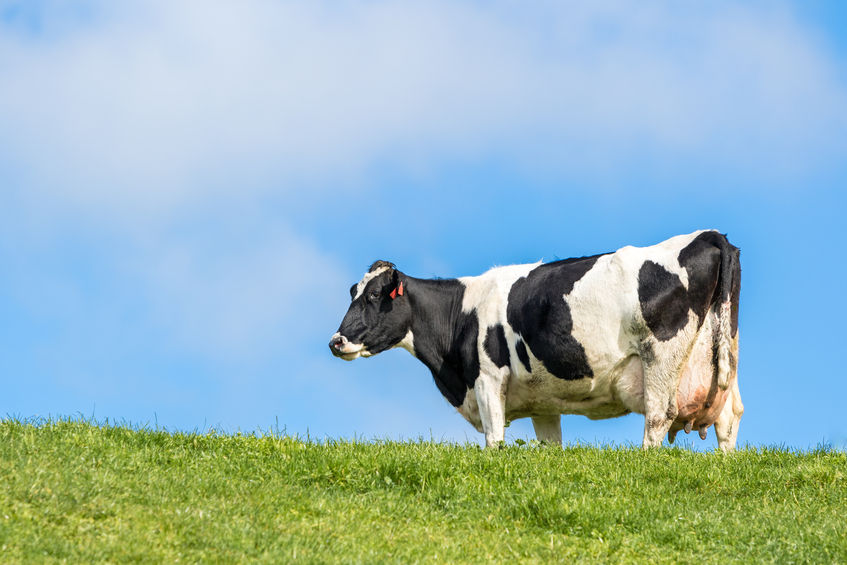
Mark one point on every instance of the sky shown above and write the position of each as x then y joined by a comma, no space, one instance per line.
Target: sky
188,190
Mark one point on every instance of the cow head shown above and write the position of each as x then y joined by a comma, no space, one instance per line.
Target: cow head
379,316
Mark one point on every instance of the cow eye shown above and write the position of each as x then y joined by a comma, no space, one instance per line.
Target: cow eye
373,295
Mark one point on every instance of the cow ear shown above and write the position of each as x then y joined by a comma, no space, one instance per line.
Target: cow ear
398,286
398,291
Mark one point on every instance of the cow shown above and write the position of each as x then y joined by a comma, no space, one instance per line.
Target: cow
651,330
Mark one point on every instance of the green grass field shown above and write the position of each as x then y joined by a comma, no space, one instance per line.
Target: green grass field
75,492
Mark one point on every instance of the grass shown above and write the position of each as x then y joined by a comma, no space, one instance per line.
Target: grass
75,492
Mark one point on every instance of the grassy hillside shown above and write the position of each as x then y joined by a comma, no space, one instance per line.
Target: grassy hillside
76,492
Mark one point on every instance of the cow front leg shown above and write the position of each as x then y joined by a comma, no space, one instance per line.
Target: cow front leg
490,399
548,428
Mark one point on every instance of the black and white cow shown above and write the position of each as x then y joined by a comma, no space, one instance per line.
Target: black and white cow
652,330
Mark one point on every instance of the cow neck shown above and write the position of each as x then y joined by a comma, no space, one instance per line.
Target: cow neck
444,336
436,311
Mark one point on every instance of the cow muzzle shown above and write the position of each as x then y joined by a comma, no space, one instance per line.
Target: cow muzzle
341,347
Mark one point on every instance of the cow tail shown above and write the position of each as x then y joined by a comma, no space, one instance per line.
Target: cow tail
729,272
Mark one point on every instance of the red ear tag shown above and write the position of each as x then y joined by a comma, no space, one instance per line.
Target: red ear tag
397,291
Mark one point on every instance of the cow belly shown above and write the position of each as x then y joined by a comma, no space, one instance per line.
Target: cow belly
542,393
699,399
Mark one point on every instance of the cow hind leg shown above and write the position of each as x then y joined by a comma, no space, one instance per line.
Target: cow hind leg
726,426
548,428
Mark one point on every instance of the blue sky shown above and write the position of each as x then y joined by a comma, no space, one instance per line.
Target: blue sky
189,189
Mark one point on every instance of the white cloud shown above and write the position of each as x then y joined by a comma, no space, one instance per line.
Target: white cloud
154,104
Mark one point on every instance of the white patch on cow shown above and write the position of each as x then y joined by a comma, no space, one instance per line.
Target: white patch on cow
601,303
408,343
488,292
360,286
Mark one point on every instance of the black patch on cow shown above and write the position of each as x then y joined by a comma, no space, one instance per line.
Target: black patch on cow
702,260
459,365
714,274
445,337
735,290
538,312
664,300
520,349
496,346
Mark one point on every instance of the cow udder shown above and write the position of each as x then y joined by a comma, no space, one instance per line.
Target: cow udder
699,399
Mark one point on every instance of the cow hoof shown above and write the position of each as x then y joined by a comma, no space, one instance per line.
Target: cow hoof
672,436
688,427
703,431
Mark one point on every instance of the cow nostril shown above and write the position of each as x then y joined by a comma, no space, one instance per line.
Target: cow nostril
337,343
